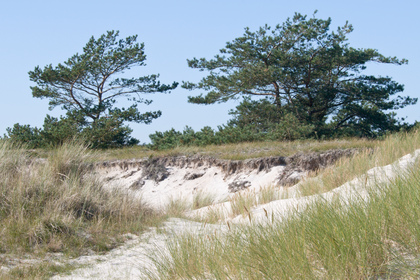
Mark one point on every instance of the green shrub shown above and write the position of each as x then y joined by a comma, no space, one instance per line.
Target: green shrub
25,134
103,133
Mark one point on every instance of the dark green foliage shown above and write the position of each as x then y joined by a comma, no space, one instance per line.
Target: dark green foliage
109,133
103,133
252,121
264,117
88,82
305,70
57,131
261,114
226,135
87,86
25,134
290,129
172,138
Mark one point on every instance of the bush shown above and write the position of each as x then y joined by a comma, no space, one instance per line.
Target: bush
25,134
108,133
253,121
229,134
104,133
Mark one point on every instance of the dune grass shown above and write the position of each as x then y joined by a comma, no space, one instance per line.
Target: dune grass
177,207
268,194
41,270
202,199
55,205
379,239
345,169
241,151
242,202
51,203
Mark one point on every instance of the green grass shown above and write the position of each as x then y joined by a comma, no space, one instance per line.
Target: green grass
374,239
242,202
177,207
326,241
50,202
385,152
43,270
268,194
242,151
202,199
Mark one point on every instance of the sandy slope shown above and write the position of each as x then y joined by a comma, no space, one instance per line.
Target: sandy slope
355,189
158,181
212,181
131,260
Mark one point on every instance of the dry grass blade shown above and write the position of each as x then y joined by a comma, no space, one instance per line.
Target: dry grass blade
54,205
378,238
241,202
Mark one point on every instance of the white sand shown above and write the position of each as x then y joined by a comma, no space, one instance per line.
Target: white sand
131,261
213,181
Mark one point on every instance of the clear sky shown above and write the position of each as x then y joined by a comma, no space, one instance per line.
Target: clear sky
49,32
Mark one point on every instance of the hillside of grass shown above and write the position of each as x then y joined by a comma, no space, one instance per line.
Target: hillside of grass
51,205
378,238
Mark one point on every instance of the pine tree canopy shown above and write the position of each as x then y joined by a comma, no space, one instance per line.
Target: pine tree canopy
305,69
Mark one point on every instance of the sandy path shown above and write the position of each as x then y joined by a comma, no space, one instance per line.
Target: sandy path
131,260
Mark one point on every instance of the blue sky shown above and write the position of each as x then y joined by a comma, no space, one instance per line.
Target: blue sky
49,32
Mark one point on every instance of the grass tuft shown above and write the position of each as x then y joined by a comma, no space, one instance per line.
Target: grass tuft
202,199
177,207
55,205
360,240
241,151
268,194
242,202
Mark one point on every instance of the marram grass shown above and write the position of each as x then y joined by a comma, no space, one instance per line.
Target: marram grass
377,238
55,205
360,240
385,152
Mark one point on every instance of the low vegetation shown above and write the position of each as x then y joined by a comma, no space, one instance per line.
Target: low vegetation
241,203
377,239
244,150
54,205
345,169
202,199
385,152
51,203
302,85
